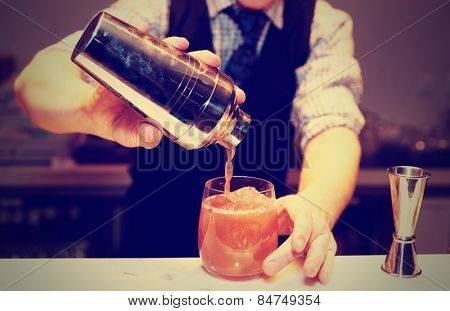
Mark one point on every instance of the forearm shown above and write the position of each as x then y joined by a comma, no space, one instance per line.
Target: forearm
330,168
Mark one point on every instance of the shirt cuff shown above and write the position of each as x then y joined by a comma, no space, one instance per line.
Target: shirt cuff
334,107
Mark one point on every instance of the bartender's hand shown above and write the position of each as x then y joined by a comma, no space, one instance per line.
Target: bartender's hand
310,236
56,99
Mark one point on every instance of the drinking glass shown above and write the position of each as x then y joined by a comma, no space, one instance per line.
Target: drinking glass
234,237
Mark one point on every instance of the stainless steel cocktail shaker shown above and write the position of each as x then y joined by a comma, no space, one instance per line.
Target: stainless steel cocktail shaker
194,104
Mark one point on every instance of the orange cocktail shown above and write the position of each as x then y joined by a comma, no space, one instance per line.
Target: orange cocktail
237,230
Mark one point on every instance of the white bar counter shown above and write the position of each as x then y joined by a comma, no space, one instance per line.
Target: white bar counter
350,273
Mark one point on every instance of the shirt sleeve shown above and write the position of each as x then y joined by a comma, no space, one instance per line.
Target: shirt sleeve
149,16
330,83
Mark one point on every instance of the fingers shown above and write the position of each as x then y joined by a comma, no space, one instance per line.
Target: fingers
328,264
240,95
310,234
130,130
302,227
280,258
316,255
301,217
149,136
320,239
177,42
284,223
207,57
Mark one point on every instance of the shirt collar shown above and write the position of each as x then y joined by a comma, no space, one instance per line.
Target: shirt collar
274,12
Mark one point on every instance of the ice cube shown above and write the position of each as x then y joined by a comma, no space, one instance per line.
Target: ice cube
247,198
220,201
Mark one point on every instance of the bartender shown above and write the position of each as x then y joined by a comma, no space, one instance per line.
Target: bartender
294,60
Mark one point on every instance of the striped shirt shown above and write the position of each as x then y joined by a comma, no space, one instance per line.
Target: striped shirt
329,83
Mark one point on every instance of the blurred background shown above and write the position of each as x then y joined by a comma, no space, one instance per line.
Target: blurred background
55,189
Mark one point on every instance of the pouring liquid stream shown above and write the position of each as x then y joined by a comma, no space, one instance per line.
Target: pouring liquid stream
229,169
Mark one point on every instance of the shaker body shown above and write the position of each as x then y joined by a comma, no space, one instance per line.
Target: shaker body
194,104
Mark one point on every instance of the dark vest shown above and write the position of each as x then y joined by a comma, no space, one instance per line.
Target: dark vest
266,152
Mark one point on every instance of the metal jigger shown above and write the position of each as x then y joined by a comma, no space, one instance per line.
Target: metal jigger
407,189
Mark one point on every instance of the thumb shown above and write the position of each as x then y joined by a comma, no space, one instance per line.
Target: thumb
149,136
130,130
285,224
282,203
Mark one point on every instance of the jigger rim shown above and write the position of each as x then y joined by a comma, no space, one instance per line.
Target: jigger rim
394,170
